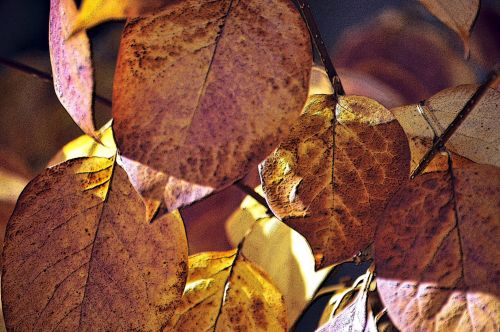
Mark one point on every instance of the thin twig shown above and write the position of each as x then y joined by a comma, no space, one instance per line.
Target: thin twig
249,191
455,124
47,78
305,9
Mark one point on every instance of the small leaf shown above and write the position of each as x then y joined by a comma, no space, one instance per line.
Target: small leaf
71,65
272,245
225,292
354,317
458,15
477,138
80,255
94,12
205,90
438,254
337,218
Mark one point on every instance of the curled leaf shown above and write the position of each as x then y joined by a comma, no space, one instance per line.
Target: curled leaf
478,137
272,245
331,188
437,253
71,65
79,254
458,15
94,12
204,90
225,292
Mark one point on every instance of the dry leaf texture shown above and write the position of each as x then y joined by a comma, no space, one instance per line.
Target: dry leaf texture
79,254
478,138
438,254
458,15
205,90
225,292
71,65
336,209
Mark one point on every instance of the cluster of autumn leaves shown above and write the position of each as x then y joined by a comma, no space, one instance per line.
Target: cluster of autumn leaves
204,92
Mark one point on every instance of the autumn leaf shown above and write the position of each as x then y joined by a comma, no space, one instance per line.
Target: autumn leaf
71,65
437,253
458,15
371,160
79,254
94,12
354,317
205,90
478,138
272,245
225,292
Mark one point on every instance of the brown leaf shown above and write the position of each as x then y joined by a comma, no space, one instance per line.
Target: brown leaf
79,254
94,12
371,161
204,90
71,65
478,138
437,253
458,15
225,292
271,245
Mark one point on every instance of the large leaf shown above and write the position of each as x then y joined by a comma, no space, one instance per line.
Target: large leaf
79,254
94,12
271,245
438,254
333,199
71,65
478,138
205,90
458,15
225,292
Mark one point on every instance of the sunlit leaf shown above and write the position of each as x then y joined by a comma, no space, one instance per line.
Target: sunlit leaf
79,254
273,245
225,292
458,15
339,217
354,317
438,254
94,12
71,65
477,138
205,90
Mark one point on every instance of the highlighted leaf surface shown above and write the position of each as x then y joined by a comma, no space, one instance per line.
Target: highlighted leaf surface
79,254
438,254
333,199
205,90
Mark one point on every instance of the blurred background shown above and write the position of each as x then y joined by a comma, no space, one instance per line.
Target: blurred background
392,51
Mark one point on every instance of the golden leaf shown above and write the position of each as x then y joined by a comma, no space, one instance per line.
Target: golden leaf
225,292
79,254
371,160
205,90
437,252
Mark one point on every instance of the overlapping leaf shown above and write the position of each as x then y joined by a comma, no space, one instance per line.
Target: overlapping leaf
437,253
71,65
458,15
94,12
158,190
205,90
225,292
79,254
478,138
272,245
331,188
